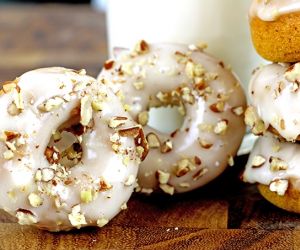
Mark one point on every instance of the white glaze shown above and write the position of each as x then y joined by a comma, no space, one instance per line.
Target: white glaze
159,71
270,10
276,99
268,146
99,161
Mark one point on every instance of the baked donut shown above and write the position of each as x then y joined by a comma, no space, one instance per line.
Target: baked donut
274,101
35,186
274,165
207,95
275,29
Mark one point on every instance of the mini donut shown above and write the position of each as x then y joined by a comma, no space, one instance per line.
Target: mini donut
274,165
274,101
275,29
35,186
207,95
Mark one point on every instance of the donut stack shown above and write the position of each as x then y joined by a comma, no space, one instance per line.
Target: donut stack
274,110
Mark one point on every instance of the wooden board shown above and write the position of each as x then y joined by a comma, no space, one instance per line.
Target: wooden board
226,214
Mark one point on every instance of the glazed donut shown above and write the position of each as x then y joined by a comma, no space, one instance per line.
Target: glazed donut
275,29
274,101
274,165
35,187
207,95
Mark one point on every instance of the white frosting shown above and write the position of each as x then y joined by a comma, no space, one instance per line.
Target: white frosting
270,10
267,147
276,99
99,162
161,71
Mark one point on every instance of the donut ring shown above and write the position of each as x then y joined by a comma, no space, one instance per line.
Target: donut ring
274,165
207,95
35,187
274,29
274,101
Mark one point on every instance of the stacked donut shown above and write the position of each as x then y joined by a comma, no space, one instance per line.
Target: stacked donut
71,147
274,111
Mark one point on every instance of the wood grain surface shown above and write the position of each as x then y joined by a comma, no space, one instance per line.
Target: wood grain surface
226,214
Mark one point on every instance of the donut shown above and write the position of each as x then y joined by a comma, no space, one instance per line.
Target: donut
207,95
274,101
274,165
35,186
275,29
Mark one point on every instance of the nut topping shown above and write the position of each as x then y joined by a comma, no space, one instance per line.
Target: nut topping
45,174
76,218
197,160
184,166
153,140
51,104
254,122
52,155
277,164
258,161
293,73
166,147
18,99
109,64
204,144
25,217
13,110
116,122
162,176
184,185
199,174
86,111
221,127
86,196
238,110
230,161
168,189
130,132
104,185
138,85
35,200
97,105
8,155
279,186
143,118
217,107
139,138
9,86
141,47
130,180
102,222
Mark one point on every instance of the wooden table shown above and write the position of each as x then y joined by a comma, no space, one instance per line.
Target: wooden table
226,214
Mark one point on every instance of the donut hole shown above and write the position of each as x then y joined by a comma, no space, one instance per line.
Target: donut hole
165,119
64,147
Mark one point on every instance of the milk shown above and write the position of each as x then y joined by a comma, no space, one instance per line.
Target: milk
222,24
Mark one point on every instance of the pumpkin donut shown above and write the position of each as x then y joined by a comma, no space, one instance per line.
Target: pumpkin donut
274,101
275,29
274,166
